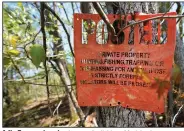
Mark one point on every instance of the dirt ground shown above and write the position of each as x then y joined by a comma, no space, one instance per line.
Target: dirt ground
37,114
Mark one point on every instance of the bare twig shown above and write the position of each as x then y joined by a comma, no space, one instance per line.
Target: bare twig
153,18
72,7
77,7
45,48
45,85
176,116
65,13
169,8
176,23
178,7
30,83
166,12
16,67
55,69
33,38
180,18
104,18
155,119
36,6
56,109
63,25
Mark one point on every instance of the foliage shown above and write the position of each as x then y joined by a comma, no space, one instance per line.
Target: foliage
37,54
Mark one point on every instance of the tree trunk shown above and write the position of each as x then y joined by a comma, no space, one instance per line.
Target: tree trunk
119,116
63,71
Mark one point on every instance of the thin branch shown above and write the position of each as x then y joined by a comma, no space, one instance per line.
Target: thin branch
153,18
169,8
53,56
63,25
36,6
104,18
45,48
176,23
26,79
46,85
176,116
40,84
55,69
155,119
56,109
72,7
180,18
178,7
77,8
16,67
33,38
166,12
66,13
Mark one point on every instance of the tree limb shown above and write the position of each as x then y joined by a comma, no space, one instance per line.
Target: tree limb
177,114
55,69
65,13
72,7
77,7
63,25
46,85
18,70
45,48
153,18
104,18
33,38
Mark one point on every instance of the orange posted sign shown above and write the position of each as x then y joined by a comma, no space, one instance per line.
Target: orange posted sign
134,71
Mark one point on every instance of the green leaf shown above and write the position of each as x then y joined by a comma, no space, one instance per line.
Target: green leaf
20,5
6,60
37,54
14,52
13,41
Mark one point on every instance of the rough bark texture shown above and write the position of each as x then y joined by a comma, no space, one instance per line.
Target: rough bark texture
179,57
119,116
64,74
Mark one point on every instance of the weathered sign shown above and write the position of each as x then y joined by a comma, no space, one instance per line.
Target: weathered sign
130,72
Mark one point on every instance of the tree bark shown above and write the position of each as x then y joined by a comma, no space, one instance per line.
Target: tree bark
119,116
63,72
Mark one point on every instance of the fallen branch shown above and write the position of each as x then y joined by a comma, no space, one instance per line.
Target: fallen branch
155,119
57,108
176,116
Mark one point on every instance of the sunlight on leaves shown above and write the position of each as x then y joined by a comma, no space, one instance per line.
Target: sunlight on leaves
13,41
6,60
14,52
37,54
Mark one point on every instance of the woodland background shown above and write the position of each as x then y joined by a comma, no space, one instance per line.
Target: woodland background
39,87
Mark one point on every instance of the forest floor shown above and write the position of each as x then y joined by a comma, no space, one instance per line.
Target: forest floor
37,114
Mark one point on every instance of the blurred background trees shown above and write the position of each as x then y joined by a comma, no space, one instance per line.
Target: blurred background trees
38,63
